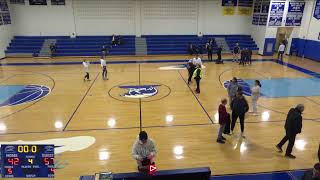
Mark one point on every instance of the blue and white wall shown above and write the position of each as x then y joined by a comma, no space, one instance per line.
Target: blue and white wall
6,34
133,17
304,38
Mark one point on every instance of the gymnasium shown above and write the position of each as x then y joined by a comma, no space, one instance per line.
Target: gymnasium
82,82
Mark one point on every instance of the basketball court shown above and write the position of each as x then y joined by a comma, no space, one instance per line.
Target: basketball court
95,123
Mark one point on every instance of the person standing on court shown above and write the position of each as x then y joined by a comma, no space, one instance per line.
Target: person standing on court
293,127
281,50
223,118
219,52
144,151
232,89
236,53
209,50
103,64
197,75
191,66
239,107
86,64
255,94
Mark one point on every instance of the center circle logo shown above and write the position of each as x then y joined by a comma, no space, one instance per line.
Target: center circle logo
135,91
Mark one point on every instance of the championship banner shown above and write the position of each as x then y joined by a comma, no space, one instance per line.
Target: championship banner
245,7
58,2
1,22
276,13
295,13
17,1
316,13
6,18
38,2
4,6
229,7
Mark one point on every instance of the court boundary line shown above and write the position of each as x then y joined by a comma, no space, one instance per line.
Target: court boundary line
85,95
133,127
196,97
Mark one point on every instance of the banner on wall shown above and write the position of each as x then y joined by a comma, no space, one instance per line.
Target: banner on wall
276,13
316,13
4,5
245,7
295,13
38,2
1,22
17,1
260,12
6,18
58,2
229,7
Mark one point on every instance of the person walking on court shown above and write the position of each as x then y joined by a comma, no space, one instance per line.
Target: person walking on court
249,56
209,50
232,89
236,53
103,64
293,127
144,151
255,90
197,75
86,64
239,107
223,118
281,49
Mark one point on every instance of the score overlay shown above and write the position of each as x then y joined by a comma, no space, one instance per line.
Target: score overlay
27,161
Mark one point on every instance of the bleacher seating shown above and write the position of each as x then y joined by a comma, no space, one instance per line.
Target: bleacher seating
79,46
91,45
171,44
178,44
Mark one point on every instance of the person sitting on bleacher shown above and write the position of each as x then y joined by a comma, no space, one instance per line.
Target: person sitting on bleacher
52,49
144,151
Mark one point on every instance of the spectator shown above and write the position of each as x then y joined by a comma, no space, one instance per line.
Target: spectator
312,174
219,52
73,35
293,127
52,49
104,50
86,64
209,50
223,118
113,40
236,53
190,49
232,89
249,56
239,107
144,151
281,49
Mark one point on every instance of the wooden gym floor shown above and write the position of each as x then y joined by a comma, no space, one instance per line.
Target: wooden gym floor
176,118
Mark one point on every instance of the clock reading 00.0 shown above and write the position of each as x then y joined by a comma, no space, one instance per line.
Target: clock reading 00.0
27,161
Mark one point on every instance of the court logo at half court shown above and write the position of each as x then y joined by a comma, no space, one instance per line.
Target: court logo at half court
140,91
243,84
11,95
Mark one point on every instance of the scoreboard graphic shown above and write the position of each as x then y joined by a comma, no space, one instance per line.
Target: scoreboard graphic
27,161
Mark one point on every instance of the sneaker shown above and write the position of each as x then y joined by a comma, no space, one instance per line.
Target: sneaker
279,149
242,135
220,141
290,156
223,138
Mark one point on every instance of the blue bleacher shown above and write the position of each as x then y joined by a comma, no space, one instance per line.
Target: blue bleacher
80,46
178,44
91,45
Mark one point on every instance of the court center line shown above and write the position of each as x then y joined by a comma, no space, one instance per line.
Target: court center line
140,105
196,97
80,102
